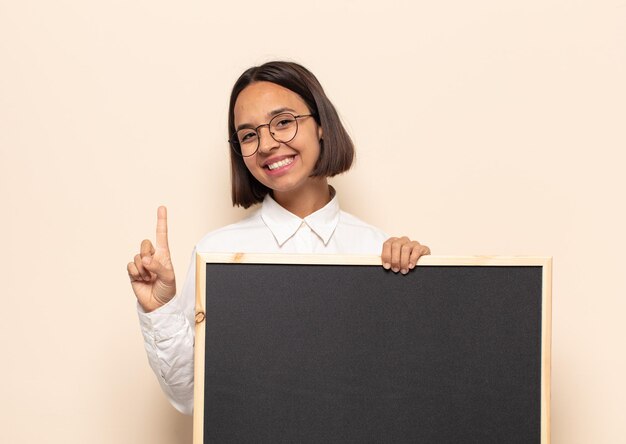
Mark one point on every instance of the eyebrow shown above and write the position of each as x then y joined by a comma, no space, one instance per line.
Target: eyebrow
270,115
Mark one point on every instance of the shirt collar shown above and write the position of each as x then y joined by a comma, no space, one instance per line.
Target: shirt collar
284,224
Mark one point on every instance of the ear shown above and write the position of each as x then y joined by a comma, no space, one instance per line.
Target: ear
320,132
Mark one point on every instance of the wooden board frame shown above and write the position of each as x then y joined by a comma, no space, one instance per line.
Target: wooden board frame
312,259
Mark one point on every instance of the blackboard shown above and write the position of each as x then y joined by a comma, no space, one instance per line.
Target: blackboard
334,349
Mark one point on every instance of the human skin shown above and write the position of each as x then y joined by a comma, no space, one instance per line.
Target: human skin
151,272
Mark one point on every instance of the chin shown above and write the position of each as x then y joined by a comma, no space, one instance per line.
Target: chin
284,187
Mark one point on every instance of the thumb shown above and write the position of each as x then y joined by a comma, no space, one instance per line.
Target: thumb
154,266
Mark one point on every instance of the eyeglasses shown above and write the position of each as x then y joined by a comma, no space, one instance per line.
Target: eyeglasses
283,128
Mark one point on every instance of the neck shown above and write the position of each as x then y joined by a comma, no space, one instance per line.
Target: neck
306,200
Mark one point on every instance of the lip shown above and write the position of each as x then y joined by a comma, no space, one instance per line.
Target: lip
275,159
281,170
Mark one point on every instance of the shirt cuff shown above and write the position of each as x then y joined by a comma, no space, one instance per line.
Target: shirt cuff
164,322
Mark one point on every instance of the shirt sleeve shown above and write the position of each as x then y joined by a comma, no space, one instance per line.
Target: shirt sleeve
168,334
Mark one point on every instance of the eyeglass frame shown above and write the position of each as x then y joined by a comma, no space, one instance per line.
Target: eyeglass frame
235,143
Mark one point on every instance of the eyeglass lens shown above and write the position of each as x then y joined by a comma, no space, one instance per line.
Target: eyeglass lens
283,128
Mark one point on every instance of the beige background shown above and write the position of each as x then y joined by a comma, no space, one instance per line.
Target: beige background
482,127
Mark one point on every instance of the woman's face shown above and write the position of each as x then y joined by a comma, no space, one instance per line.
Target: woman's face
282,167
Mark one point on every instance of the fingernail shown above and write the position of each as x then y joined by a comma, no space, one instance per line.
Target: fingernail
395,269
146,278
411,265
386,265
404,271
146,260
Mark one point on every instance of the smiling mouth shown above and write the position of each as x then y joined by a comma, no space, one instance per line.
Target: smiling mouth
281,163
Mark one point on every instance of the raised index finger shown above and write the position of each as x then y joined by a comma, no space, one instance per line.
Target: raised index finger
161,230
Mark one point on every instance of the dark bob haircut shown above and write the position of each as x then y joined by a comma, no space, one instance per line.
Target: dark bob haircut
336,151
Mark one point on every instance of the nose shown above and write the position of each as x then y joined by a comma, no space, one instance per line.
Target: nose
266,141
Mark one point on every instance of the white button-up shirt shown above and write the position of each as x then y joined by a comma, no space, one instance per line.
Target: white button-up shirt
169,330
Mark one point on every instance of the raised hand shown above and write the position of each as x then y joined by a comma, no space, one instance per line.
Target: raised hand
400,254
151,273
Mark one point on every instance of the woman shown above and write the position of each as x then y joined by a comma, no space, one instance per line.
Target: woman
286,140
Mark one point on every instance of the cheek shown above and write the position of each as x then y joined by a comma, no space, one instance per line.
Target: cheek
309,145
317,150
250,163
253,168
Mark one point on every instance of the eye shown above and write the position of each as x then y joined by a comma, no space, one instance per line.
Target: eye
246,136
284,122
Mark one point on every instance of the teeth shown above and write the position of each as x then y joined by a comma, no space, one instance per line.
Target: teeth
280,163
